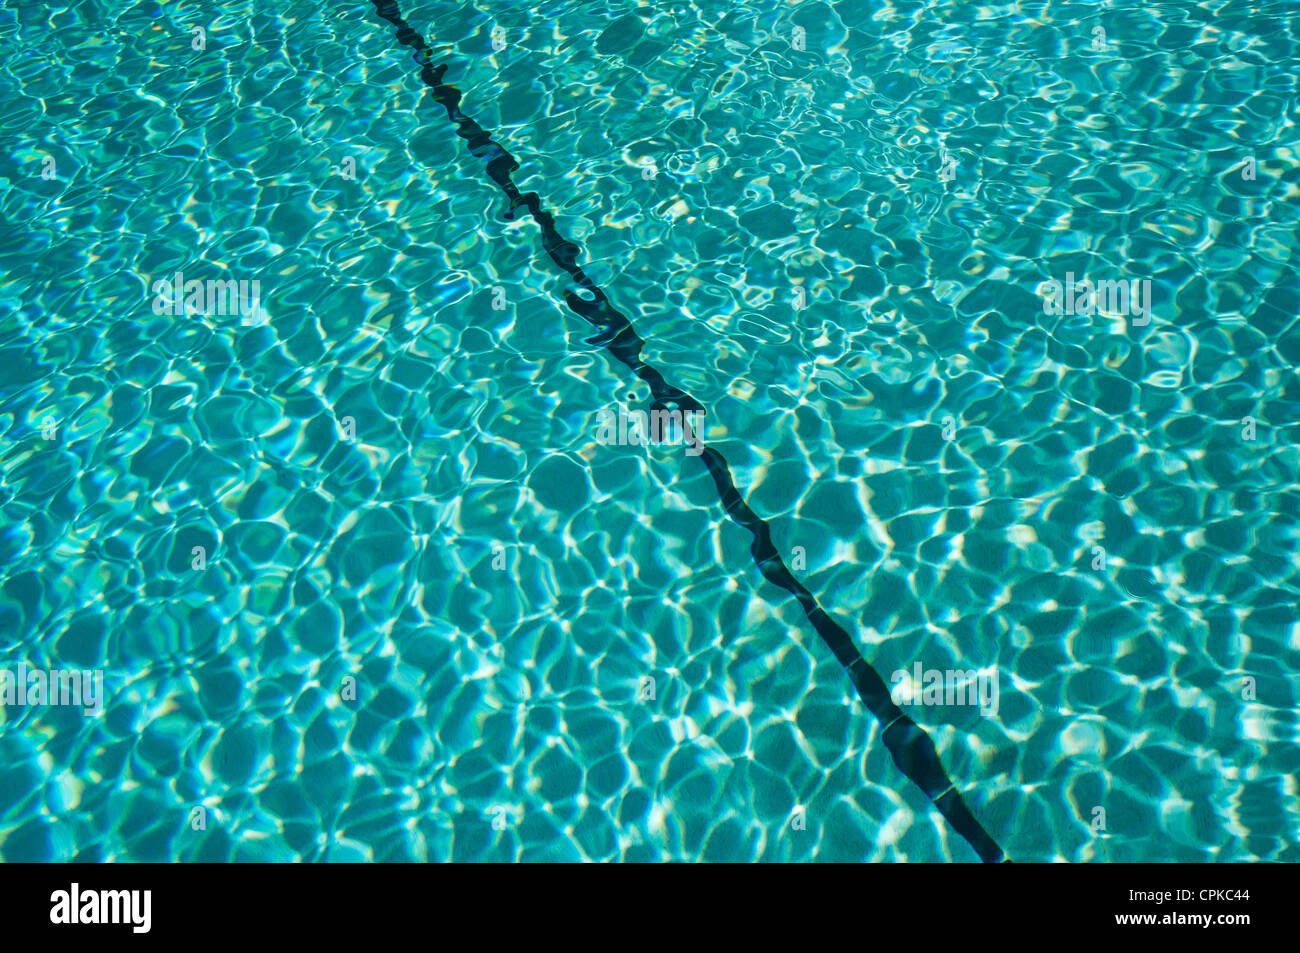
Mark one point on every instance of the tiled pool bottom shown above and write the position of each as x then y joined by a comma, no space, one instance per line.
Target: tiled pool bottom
351,675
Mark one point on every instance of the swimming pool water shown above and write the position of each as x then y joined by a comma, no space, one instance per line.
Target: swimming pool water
362,580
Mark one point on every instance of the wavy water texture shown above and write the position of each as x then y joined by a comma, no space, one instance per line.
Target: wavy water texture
770,209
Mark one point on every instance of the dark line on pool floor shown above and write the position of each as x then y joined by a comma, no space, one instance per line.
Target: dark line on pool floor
911,748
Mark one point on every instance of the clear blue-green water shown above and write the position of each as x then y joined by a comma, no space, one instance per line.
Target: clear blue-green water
364,584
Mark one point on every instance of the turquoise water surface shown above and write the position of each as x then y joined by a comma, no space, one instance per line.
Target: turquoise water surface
366,581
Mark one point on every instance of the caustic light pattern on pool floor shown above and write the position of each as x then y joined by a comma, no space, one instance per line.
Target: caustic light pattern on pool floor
308,489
